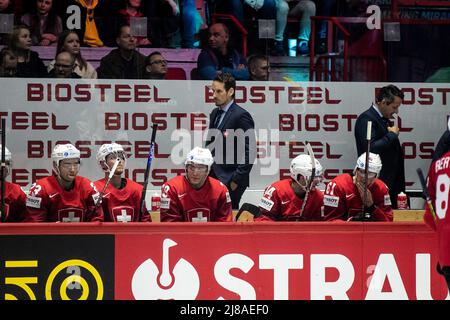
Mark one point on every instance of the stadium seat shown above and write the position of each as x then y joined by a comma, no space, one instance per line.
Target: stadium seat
176,73
194,74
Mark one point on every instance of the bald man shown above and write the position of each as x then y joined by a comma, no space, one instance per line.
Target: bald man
218,56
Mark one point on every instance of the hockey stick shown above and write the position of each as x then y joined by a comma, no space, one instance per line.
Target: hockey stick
3,172
147,170
367,215
426,194
111,174
311,178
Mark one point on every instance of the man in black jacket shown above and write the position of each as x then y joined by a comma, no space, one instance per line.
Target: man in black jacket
231,138
384,138
125,62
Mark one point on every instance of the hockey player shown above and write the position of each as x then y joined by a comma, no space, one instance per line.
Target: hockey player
122,197
438,190
14,196
195,197
343,198
284,199
64,196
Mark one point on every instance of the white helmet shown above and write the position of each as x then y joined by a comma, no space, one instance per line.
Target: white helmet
105,150
374,163
200,156
8,159
302,165
65,151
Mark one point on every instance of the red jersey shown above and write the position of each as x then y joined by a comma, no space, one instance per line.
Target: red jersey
14,202
181,202
439,190
342,200
280,203
122,205
47,201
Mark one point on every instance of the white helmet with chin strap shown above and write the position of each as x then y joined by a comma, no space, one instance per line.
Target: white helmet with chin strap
107,149
64,151
200,156
8,159
301,165
374,163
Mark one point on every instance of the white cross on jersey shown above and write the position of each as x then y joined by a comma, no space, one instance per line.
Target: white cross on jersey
124,217
71,218
199,218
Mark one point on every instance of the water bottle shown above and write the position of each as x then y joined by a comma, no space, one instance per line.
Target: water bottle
402,201
156,201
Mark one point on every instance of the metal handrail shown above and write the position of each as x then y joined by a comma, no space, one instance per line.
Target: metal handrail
331,21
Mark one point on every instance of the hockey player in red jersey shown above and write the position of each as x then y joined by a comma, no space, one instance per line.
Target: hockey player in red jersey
343,195
122,197
64,196
195,197
439,192
14,196
283,200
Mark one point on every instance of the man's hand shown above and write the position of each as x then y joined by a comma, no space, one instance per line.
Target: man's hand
394,129
233,185
369,200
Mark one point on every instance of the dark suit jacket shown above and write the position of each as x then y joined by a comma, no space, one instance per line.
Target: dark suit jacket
443,145
387,145
238,169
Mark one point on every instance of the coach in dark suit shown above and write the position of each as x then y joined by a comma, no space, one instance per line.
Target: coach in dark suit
384,138
231,139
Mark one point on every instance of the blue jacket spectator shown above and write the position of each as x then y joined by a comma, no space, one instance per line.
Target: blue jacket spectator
219,57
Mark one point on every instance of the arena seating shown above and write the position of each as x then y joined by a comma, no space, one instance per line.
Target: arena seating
181,61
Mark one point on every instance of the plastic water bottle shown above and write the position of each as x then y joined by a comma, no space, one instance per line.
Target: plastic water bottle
402,201
156,201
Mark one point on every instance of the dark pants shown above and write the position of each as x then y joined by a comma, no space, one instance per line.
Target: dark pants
236,196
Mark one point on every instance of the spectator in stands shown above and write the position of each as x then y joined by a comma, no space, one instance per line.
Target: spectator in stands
261,9
44,23
121,201
68,41
8,67
155,66
302,10
219,57
124,62
195,197
164,23
191,22
258,67
6,7
64,196
29,65
131,8
284,200
89,33
344,195
64,66
14,196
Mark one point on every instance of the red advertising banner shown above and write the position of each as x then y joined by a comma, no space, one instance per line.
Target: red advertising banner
246,260
279,261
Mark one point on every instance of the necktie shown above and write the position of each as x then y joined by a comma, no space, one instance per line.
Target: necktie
386,122
217,119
